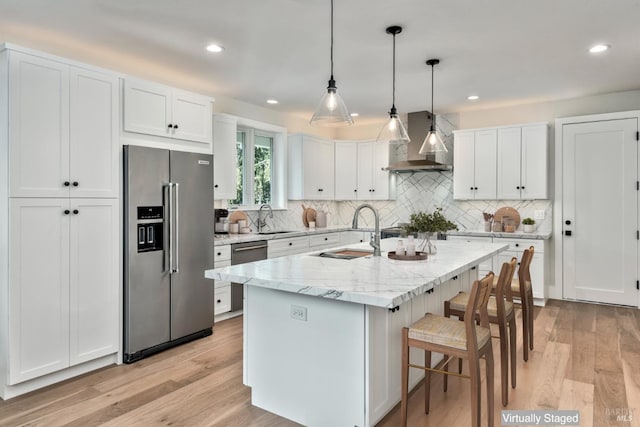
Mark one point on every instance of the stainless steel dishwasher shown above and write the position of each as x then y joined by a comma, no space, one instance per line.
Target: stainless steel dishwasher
241,253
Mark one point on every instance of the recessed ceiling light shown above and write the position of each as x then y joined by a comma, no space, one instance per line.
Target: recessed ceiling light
473,97
272,101
215,48
354,114
599,48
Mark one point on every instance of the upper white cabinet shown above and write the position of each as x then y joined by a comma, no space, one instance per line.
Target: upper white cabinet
505,163
224,156
311,168
522,162
359,173
63,124
159,110
474,168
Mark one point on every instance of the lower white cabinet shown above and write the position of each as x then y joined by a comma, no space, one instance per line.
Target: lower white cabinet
291,246
349,237
64,284
222,289
323,241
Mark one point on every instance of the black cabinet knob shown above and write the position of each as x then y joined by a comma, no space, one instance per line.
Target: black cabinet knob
76,211
215,186
326,238
518,187
522,187
355,191
219,253
67,183
219,301
75,183
175,126
320,189
470,188
567,232
170,126
567,222
67,211
517,245
290,244
475,188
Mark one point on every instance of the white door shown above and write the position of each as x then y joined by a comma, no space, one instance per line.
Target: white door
94,149
225,176
600,214
509,163
147,108
346,171
463,167
485,164
94,281
365,172
191,116
39,287
38,127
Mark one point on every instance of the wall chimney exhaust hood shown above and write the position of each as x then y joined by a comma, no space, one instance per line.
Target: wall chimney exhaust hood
418,127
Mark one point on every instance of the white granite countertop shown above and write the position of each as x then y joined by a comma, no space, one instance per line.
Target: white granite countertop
518,234
378,281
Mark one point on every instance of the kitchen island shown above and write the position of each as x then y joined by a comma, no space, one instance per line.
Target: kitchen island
322,335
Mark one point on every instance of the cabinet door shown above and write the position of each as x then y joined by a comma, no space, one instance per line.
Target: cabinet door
191,116
225,175
485,164
38,126
509,164
318,169
94,148
380,177
38,287
365,171
463,165
94,280
534,162
346,171
147,108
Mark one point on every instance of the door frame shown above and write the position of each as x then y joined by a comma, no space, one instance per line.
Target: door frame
558,196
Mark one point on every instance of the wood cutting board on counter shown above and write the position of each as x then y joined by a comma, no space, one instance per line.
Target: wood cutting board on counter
308,214
507,211
236,216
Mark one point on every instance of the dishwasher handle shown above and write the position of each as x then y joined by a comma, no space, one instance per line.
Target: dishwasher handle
249,248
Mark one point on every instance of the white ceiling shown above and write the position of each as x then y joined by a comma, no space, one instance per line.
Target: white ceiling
506,51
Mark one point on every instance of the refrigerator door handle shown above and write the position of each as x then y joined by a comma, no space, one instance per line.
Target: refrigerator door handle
168,245
177,269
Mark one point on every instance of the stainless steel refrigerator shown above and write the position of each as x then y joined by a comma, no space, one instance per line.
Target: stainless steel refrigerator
168,231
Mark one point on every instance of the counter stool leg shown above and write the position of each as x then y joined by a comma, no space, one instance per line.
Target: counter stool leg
405,376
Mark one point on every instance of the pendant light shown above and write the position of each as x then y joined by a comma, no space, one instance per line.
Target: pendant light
331,111
432,142
394,131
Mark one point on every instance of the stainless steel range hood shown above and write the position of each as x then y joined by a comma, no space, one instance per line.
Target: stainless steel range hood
418,127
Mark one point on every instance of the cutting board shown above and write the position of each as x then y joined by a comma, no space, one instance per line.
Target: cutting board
507,211
235,216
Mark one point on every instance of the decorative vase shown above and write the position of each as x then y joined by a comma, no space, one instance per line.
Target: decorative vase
529,228
427,244
487,226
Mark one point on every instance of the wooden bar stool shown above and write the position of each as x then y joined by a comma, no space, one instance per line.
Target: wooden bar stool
464,340
502,313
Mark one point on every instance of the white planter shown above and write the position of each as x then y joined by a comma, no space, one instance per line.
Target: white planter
529,228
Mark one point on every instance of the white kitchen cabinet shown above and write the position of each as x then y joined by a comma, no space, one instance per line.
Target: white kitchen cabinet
154,109
522,162
225,177
359,170
311,168
64,284
474,170
323,241
353,236
290,246
222,289
63,129
346,181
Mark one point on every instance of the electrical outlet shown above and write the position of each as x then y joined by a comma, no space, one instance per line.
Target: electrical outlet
299,313
539,214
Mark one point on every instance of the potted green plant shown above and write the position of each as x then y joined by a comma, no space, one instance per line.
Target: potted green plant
426,224
529,225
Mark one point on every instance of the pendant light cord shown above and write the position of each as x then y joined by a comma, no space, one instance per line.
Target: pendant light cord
331,39
433,115
393,97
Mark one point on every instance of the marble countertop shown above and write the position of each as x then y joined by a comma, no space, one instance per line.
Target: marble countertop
378,281
518,234
227,239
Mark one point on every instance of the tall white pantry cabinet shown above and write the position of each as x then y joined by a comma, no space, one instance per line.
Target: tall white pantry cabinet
59,220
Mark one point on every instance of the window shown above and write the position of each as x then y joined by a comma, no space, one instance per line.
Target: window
255,159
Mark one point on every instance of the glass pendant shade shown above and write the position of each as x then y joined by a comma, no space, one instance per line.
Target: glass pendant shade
433,143
393,131
332,111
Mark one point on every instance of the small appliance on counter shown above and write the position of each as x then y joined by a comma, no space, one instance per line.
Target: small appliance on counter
222,224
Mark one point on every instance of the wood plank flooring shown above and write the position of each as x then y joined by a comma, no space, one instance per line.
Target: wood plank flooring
586,357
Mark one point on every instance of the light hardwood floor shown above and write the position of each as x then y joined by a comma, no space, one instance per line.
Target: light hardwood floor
586,357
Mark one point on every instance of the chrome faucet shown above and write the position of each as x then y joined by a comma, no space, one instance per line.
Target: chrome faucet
375,238
262,222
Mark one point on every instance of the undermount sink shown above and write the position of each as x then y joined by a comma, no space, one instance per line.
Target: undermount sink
276,232
346,254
